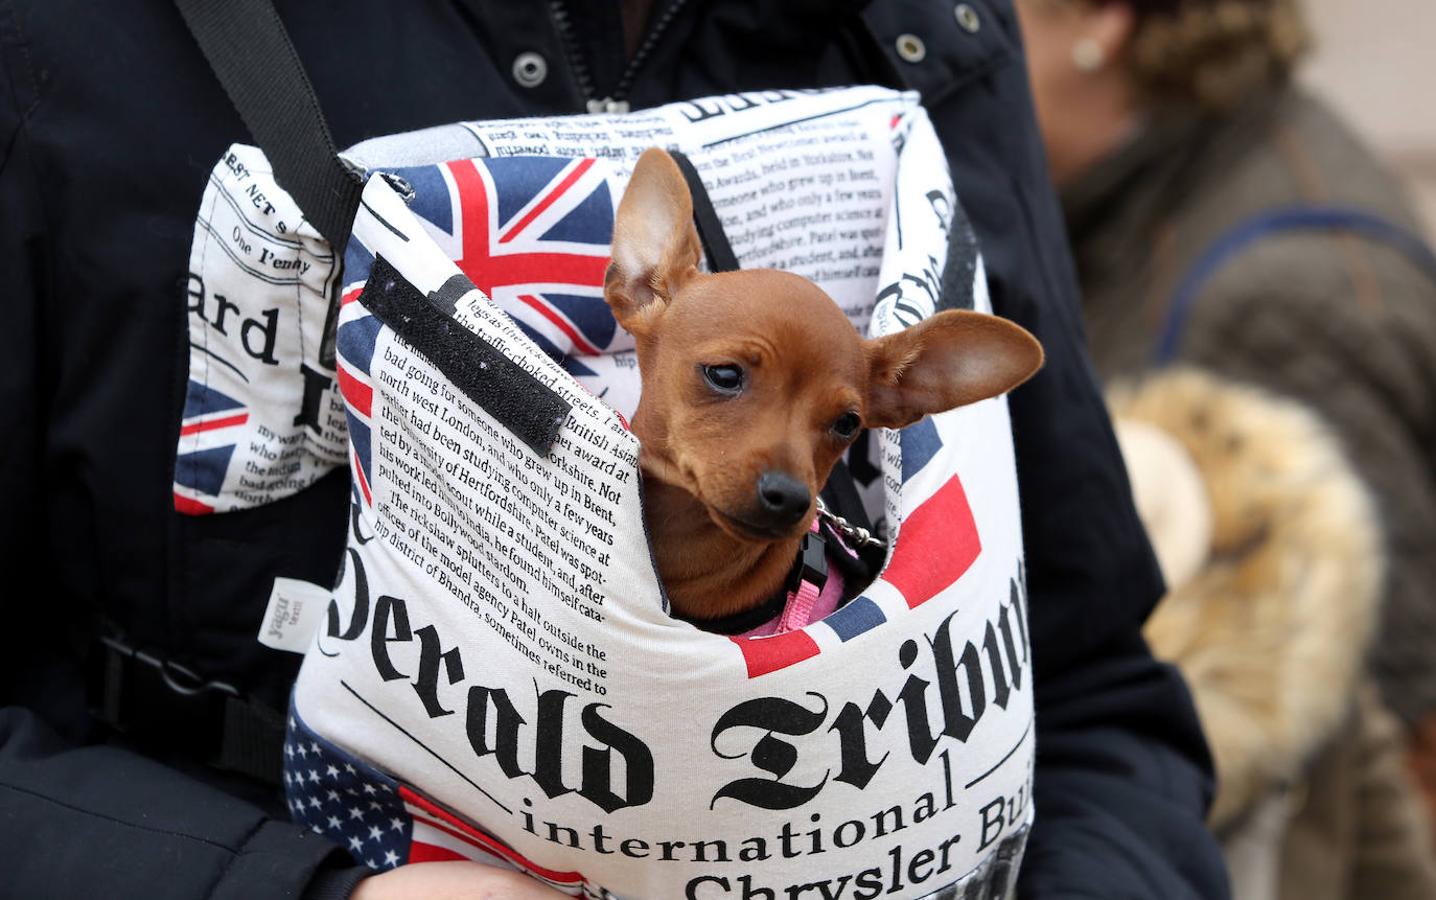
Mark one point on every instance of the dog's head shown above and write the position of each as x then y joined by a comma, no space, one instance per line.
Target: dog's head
755,382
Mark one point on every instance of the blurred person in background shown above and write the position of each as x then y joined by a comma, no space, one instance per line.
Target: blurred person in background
1223,219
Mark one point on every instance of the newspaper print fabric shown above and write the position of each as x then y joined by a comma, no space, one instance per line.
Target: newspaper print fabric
384,824
261,418
498,644
801,181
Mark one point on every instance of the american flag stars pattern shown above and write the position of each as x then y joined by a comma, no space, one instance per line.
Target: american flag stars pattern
384,823
352,805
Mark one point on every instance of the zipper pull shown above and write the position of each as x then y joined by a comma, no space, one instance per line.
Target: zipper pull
607,105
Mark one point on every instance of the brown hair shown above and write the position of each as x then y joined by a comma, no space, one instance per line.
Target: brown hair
1214,52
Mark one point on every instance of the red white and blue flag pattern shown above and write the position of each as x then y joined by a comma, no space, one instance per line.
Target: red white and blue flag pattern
213,423
939,543
354,343
384,823
532,233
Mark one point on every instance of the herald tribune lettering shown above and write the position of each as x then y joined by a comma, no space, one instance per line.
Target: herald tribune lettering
525,737
956,673
492,721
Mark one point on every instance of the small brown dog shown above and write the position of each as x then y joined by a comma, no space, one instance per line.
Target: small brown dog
754,383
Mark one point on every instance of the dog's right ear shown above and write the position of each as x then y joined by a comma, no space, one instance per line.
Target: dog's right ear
947,360
655,246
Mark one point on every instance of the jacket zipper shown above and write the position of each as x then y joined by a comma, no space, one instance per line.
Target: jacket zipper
617,102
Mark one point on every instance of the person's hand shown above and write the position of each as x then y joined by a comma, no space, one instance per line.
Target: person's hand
451,881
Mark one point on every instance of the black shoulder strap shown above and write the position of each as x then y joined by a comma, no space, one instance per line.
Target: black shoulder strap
710,230
246,45
1282,220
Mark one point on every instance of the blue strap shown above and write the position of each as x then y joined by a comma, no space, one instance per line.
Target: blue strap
1278,221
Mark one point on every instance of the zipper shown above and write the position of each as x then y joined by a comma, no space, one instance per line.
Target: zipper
564,26
616,102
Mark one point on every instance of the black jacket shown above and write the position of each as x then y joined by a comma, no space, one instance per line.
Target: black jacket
109,124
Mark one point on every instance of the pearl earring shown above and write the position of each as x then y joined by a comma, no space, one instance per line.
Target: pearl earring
1087,55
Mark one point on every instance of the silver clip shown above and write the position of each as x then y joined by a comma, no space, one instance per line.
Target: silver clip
855,533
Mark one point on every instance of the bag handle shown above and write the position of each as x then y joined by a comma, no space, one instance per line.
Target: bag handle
1280,221
248,49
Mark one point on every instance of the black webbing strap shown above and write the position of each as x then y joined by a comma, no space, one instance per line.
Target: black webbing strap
151,700
246,45
840,493
710,230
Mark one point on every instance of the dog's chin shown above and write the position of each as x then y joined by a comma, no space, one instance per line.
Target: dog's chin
743,530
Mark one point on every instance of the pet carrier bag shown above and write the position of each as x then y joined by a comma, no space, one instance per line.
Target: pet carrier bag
495,675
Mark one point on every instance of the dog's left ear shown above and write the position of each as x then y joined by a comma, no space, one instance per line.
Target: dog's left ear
949,360
655,246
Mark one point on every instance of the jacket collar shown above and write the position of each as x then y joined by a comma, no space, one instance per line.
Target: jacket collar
1152,173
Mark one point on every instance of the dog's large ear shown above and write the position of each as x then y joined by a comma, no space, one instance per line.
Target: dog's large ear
951,359
655,246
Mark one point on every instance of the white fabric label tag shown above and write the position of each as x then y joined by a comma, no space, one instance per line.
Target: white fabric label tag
294,613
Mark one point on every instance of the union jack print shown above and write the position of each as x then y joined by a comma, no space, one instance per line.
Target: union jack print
354,354
532,233
384,823
937,544
213,422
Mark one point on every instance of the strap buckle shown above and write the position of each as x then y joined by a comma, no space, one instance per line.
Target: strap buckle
811,564
168,708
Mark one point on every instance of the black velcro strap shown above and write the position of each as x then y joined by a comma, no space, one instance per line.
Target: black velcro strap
710,230
959,273
520,402
246,45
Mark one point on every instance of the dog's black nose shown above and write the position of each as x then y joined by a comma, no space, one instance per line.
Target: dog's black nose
782,499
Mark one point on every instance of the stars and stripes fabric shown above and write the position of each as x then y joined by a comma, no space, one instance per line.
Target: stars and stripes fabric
350,804
354,355
384,823
213,423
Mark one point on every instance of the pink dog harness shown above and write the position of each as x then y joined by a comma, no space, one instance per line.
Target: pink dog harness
831,560
819,589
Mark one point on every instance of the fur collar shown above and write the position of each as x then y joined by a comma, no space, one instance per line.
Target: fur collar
1272,629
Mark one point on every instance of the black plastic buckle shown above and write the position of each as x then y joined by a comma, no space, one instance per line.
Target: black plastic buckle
168,708
158,702
811,564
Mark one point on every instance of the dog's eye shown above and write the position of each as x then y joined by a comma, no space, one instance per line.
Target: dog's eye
847,425
726,379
